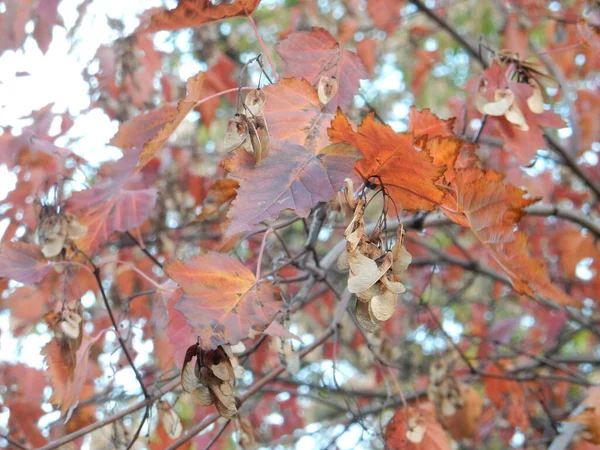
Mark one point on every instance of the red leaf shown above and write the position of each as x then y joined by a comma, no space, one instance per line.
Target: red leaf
66,389
218,78
406,425
299,171
316,53
23,262
222,300
149,132
385,13
107,208
191,13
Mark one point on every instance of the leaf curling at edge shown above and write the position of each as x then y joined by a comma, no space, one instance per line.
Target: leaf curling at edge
148,132
221,300
191,13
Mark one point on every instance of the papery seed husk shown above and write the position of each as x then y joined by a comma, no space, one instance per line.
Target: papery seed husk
327,88
536,101
395,286
503,99
189,381
69,329
516,117
170,422
364,319
222,370
226,388
382,306
342,261
364,272
255,102
237,133
202,396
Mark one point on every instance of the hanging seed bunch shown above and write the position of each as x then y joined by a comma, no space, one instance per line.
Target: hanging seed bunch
56,230
503,100
210,379
375,272
443,390
248,129
67,323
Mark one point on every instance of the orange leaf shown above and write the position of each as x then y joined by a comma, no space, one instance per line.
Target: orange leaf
416,429
222,300
408,174
191,13
426,123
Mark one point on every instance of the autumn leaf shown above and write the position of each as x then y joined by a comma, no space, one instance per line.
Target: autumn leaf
222,300
191,13
483,202
385,13
219,77
301,169
68,389
424,122
148,132
416,429
316,53
408,175
109,207
23,262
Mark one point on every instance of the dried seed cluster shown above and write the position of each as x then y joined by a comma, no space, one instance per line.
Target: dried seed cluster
374,271
443,390
504,101
248,130
210,379
68,330
55,230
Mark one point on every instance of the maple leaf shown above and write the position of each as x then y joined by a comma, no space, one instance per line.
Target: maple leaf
491,208
314,54
24,418
67,389
424,122
301,169
408,175
222,300
109,207
416,429
23,262
367,52
191,13
385,13
148,132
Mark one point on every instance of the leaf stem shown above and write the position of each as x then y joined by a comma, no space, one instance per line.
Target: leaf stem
260,254
263,46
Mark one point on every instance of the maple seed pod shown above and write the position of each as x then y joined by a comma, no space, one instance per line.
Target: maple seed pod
536,101
327,88
170,420
55,230
255,102
210,379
